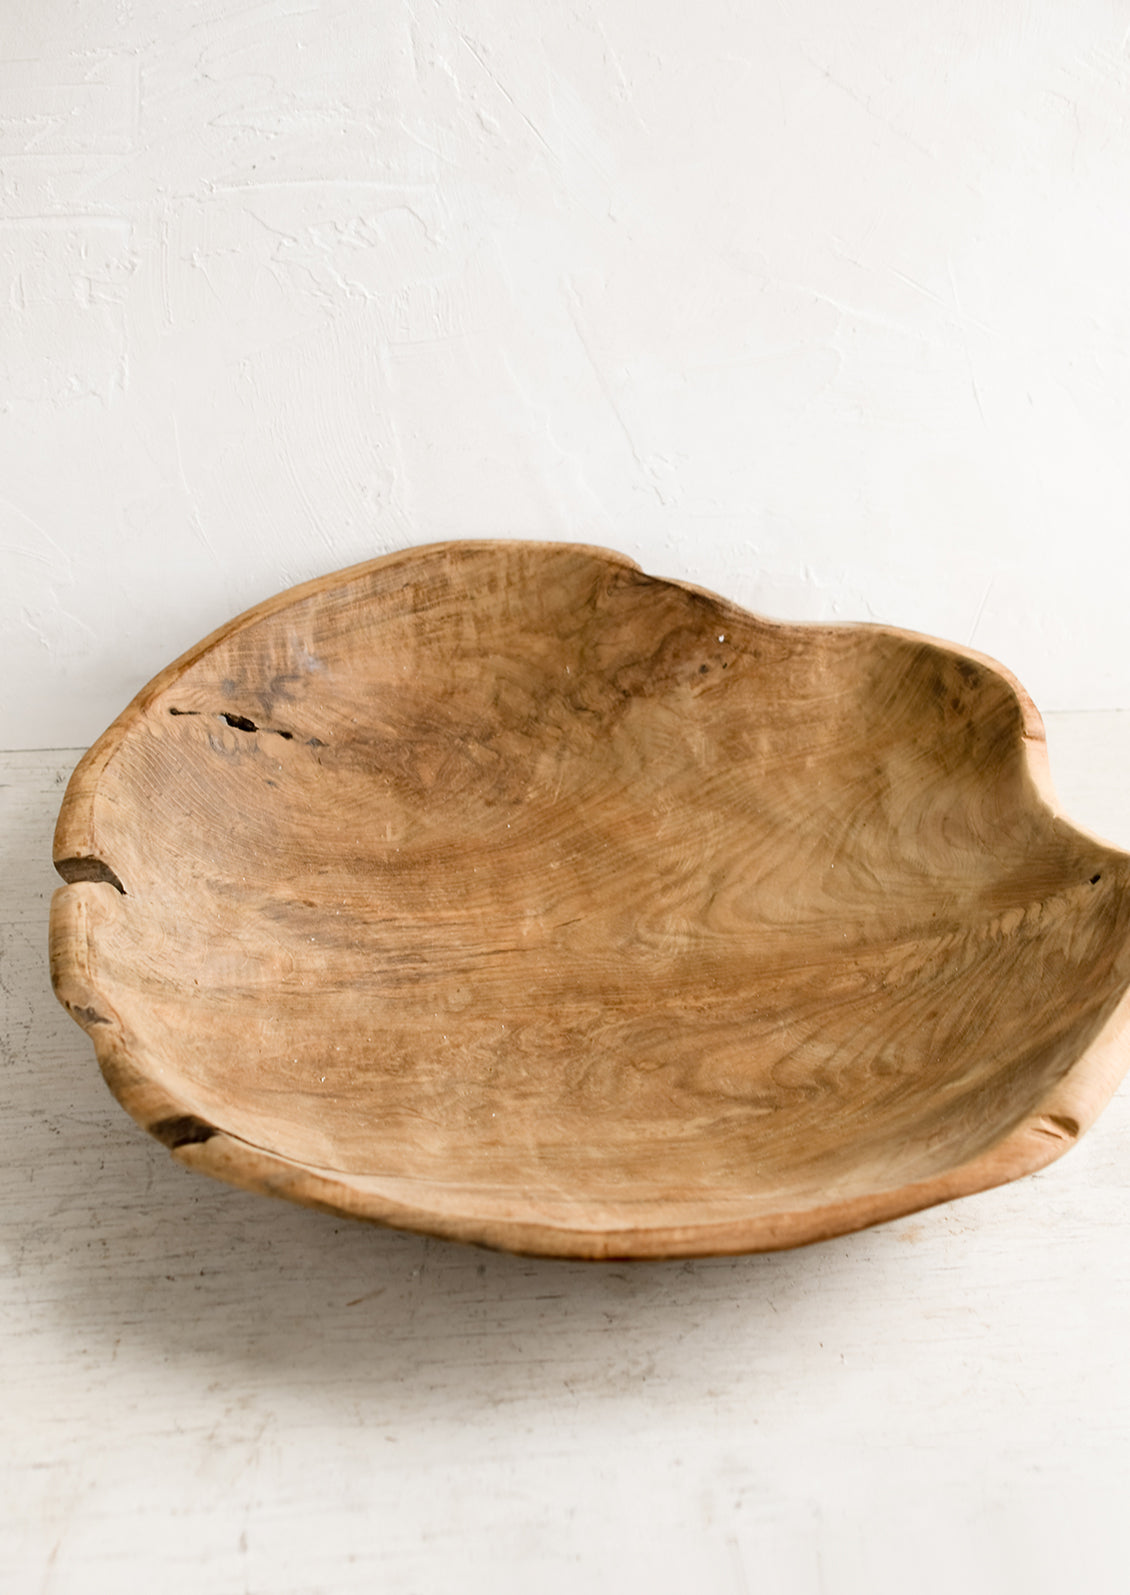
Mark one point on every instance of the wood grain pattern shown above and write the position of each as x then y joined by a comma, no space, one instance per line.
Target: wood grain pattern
502,891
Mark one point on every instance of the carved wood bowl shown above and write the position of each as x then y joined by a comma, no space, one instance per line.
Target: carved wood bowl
503,892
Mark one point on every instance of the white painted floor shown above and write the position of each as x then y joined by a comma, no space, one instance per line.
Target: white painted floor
208,1391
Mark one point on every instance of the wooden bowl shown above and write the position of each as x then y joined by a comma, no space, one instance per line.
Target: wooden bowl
501,891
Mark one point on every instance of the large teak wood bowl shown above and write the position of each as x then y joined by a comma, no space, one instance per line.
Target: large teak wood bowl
501,891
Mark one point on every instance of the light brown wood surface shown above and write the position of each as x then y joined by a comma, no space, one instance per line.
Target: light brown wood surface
501,891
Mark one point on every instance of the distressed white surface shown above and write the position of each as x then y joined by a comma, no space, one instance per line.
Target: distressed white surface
821,304
208,1390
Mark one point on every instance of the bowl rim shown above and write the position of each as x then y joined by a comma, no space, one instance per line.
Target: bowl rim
1066,1110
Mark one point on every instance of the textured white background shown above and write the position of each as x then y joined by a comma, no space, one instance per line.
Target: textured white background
822,304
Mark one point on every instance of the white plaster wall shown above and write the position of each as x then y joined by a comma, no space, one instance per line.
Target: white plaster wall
822,303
